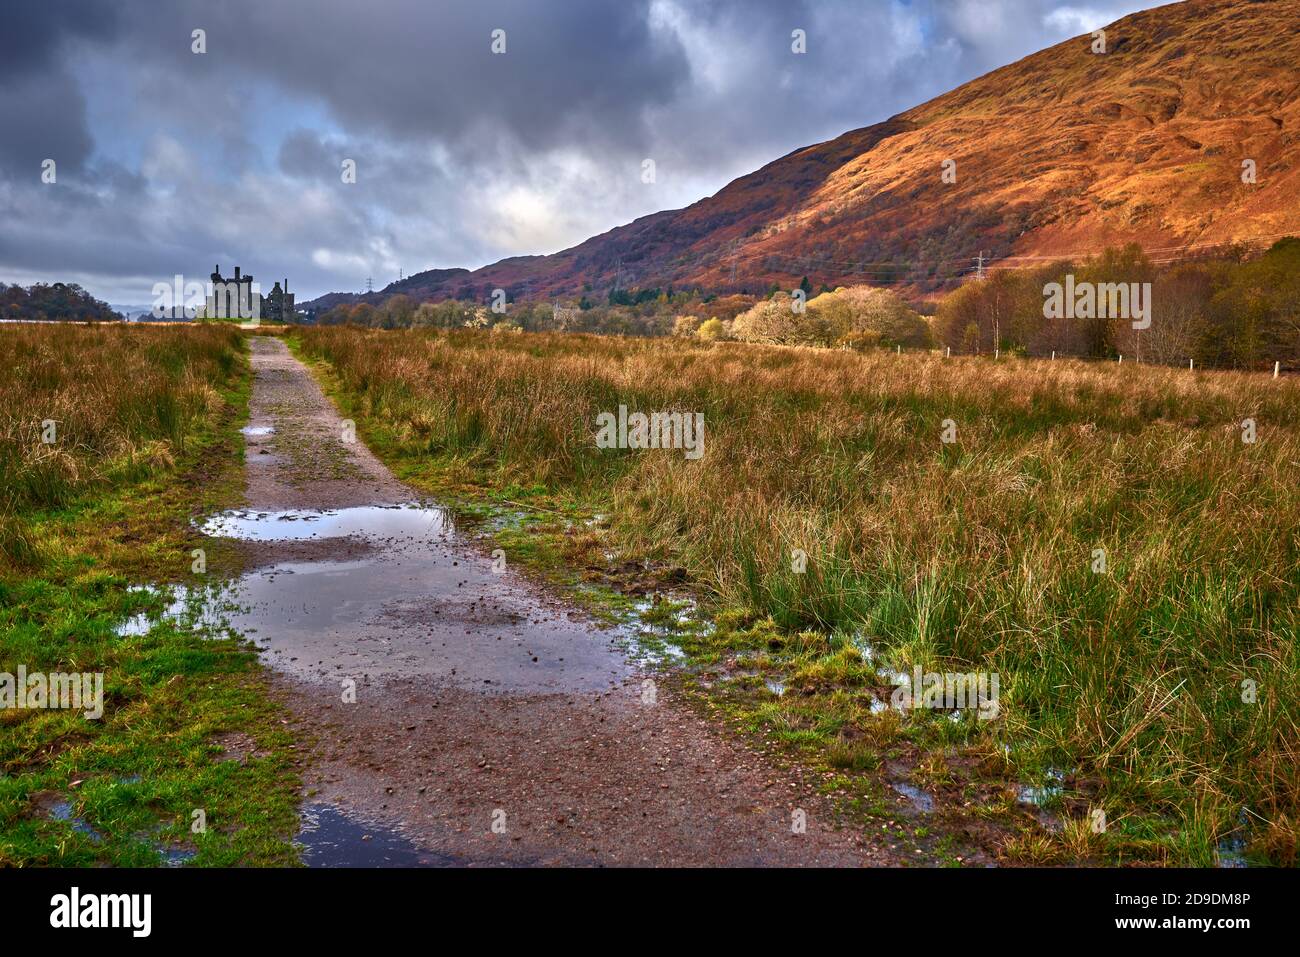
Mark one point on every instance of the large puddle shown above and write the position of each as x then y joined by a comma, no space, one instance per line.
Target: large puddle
380,594
385,523
386,596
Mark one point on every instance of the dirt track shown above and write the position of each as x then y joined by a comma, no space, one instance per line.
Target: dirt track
478,696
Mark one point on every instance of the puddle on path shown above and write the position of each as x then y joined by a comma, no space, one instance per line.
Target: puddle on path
413,523
410,607
258,430
330,838
199,609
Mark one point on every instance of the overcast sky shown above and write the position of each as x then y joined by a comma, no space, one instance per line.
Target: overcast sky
170,161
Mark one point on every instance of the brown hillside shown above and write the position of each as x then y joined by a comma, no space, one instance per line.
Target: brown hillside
1064,151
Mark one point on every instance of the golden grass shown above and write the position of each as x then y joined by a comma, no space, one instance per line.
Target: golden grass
86,407
973,555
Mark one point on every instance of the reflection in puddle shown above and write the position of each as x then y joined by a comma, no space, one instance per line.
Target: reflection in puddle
62,811
258,430
329,838
200,609
1047,792
370,521
655,622
410,606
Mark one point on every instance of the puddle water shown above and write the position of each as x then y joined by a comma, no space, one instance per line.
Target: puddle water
1039,795
175,856
1231,849
329,838
413,522
252,430
920,800
776,687
652,632
62,811
199,609
409,607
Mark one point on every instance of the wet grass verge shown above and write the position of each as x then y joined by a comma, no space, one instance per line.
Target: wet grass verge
191,762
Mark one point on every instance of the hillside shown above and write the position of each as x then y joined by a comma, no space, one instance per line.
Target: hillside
1063,151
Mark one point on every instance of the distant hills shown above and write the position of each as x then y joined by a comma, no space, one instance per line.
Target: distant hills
1066,151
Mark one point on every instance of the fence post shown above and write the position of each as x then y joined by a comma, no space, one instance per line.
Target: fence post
1191,364
1277,367
1121,359
949,355
1053,355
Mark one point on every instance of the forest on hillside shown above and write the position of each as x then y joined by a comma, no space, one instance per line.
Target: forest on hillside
1236,310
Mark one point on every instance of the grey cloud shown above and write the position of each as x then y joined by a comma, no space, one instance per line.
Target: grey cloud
463,157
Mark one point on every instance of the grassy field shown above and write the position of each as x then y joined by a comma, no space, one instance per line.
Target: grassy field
1098,536
145,435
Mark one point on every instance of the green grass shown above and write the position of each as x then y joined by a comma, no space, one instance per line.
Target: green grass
131,782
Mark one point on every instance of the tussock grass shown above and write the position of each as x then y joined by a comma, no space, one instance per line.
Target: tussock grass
121,402
975,555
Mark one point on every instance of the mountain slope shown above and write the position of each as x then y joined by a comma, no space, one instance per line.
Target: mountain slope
1064,151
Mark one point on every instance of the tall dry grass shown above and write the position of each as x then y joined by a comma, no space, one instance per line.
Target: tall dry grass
977,554
117,402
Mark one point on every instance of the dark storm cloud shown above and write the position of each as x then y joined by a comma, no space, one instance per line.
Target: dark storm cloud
42,112
170,161
44,116
414,68
35,33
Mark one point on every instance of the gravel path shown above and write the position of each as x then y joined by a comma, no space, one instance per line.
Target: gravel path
491,724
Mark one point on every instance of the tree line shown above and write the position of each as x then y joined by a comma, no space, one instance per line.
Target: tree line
58,302
1235,310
